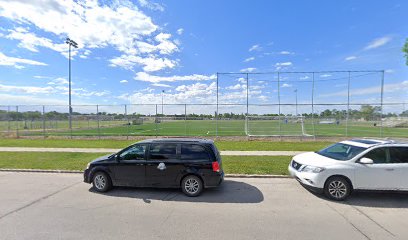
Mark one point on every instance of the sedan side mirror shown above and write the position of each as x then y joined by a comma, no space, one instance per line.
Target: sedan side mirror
365,160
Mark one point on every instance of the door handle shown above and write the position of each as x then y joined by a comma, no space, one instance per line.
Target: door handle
161,166
389,169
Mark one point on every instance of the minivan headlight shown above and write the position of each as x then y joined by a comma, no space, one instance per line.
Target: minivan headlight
312,169
88,165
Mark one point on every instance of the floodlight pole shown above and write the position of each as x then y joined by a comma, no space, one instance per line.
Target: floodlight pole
70,43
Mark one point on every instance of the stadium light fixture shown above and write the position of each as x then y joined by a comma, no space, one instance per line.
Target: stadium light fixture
71,43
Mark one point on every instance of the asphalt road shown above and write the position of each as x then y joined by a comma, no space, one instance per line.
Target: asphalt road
60,206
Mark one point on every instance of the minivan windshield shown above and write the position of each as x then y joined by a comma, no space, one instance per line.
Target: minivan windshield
341,151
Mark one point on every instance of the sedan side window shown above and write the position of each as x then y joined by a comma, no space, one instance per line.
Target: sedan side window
194,152
399,155
163,151
136,152
378,155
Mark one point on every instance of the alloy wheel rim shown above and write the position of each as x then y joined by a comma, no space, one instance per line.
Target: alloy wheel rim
191,186
337,189
99,182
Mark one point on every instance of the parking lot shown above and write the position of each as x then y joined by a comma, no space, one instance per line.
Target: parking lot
61,206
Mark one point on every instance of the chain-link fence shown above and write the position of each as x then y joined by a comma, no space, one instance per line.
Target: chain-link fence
304,104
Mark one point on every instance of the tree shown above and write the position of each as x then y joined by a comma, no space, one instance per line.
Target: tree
405,50
369,112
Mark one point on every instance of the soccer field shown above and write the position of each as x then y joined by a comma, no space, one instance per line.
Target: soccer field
204,128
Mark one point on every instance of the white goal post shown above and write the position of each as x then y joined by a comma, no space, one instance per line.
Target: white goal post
275,126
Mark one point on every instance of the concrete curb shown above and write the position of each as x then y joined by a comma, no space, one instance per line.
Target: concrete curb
80,172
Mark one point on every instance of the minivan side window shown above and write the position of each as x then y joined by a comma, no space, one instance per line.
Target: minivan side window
399,155
378,155
163,151
194,152
136,152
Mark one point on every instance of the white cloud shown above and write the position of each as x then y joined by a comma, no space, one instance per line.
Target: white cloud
161,85
249,59
236,87
123,81
91,24
286,53
251,69
180,31
350,58
304,78
151,5
197,92
242,80
283,64
26,89
377,43
388,88
279,66
325,75
150,64
18,62
146,77
255,47
286,85
59,81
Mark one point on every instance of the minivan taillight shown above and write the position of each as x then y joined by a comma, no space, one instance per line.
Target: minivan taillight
216,167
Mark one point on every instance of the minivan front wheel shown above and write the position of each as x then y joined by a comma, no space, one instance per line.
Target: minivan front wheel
337,188
101,182
192,186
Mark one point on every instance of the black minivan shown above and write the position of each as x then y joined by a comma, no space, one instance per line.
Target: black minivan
192,164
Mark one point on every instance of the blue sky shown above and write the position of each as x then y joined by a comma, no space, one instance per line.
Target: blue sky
130,51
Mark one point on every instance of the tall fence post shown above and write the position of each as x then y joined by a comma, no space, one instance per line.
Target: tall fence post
185,119
43,119
216,113
155,121
128,123
348,103
382,102
313,122
17,126
279,108
97,119
8,120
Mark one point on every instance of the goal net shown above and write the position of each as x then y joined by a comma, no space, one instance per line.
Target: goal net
269,126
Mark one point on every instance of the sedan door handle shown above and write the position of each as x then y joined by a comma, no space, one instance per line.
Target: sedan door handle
389,169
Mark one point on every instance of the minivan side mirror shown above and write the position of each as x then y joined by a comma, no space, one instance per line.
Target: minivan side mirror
365,160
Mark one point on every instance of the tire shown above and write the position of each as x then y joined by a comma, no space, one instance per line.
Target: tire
192,186
101,182
337,188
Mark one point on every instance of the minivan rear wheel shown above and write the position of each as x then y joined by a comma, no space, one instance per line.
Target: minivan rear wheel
101,182
337,188
192,186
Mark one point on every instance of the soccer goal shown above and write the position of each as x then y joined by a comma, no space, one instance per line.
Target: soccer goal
270,126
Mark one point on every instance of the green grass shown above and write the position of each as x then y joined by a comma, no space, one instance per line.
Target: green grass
222,145
78,161
34,160
201,128
256,165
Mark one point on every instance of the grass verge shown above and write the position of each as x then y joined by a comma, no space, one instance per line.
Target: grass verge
78,161
222,145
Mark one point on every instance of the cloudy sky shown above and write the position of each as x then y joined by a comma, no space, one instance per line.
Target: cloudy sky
130,51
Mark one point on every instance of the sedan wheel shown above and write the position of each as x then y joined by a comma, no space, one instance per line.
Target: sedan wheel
192,186
337,188
101,182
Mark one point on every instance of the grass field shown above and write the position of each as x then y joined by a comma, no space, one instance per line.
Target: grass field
78,161
202,128
221,145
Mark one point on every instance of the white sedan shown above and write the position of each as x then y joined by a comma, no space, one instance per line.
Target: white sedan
358,164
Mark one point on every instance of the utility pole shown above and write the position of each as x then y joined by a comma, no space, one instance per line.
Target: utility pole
70,43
